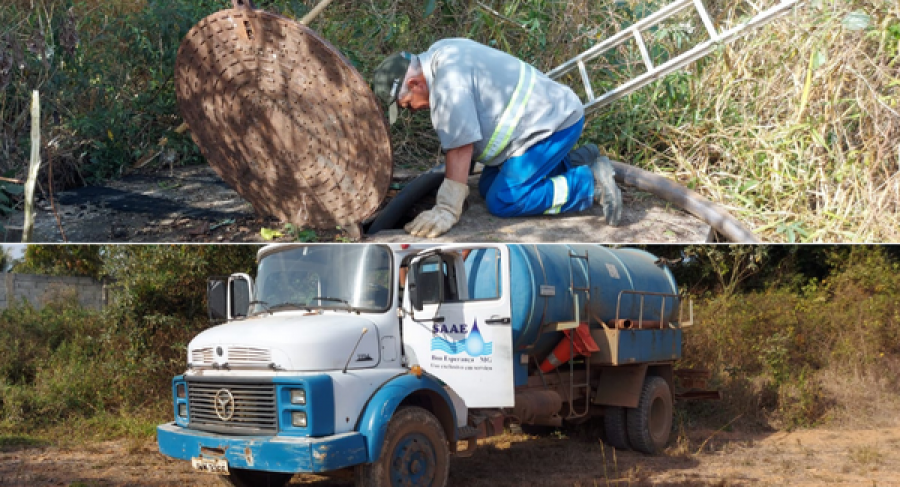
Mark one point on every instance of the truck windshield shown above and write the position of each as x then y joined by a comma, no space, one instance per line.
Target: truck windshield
343,277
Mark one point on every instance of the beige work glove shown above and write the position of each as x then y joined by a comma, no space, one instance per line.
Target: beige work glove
445,214
606,193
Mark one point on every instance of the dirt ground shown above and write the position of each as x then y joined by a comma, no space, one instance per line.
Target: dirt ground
869,457
192,204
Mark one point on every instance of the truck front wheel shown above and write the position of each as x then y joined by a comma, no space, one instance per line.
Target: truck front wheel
650,423
415,453
239,477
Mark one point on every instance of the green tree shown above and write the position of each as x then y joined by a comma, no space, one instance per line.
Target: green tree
170,280
62,260
730,265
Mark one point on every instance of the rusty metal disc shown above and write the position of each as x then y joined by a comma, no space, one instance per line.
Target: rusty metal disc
283,118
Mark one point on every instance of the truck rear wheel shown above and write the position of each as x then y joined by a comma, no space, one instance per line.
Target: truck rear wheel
239,477
650,423
415,453
614,427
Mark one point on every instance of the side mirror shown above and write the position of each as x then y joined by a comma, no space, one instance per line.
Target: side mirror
217,299
240,297
415,297
228,297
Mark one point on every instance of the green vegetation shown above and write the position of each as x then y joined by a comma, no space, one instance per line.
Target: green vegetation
792,127
107,372
792,349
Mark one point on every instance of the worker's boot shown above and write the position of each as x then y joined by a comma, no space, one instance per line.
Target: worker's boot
584,155
606,193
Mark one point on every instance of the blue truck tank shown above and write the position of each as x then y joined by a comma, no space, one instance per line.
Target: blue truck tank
551,268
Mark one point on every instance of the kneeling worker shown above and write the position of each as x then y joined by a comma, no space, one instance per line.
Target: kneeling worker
490,106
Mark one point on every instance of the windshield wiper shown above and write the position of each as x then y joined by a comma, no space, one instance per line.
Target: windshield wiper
276,307
338,300
264,304
286,305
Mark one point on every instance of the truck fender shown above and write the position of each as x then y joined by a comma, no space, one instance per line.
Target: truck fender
384,402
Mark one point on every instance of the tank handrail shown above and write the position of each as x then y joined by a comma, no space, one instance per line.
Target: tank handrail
642,295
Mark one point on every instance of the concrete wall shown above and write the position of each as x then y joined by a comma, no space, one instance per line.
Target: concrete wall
40,290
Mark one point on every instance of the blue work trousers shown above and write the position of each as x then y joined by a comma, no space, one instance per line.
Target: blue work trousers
542,180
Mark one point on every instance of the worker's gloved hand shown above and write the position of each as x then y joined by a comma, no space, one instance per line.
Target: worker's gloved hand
606,193
445,214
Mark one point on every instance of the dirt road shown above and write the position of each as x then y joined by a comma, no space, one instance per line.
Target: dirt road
701,458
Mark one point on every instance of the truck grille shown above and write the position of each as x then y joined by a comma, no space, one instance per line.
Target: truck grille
233,407
247,355
202,355
235,356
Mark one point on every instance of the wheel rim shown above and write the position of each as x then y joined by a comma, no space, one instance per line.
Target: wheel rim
413,461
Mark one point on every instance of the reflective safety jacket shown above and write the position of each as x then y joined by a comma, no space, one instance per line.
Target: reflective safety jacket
486,97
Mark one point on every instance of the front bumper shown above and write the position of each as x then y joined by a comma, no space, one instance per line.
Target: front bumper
268,453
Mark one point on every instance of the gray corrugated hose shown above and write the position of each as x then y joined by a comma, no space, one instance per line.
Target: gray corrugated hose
716,216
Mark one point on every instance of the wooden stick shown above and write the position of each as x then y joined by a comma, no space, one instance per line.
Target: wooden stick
315,12
34,167
62,231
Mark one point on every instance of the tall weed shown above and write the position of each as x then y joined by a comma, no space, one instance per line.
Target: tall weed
776,352
64,362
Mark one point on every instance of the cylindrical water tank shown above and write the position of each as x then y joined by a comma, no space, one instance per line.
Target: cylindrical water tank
554,269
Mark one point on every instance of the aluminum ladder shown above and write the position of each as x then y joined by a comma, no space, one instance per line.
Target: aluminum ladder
654,72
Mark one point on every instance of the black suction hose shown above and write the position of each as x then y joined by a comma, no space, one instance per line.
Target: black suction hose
716,216
414,191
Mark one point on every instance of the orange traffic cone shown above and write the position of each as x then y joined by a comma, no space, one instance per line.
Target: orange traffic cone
560,355
583,344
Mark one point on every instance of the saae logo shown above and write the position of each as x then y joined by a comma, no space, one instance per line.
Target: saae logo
472,344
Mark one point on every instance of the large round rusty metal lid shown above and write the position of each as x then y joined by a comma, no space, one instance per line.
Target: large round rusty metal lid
283,118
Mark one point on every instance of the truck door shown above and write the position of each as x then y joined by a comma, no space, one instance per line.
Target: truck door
459,325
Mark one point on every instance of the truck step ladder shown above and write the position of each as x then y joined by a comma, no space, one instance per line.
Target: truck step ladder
586,292
654,72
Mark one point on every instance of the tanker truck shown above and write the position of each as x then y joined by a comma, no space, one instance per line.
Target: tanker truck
387,359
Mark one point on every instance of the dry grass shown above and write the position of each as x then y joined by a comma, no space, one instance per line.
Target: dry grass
796,127
864,399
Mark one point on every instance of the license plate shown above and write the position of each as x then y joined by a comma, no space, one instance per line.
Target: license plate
211,465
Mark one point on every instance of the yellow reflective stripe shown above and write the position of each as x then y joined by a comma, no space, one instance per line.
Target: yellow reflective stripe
511,114
560,194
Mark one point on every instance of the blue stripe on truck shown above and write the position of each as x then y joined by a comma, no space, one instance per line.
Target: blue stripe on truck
382,405
268,453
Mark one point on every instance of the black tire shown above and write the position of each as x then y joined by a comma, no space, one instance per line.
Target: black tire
239,477
614,427
415,453
650,424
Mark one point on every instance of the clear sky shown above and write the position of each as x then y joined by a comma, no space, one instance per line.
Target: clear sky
16,250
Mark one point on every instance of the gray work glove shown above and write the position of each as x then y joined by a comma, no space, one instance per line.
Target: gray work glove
606,193
445,214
